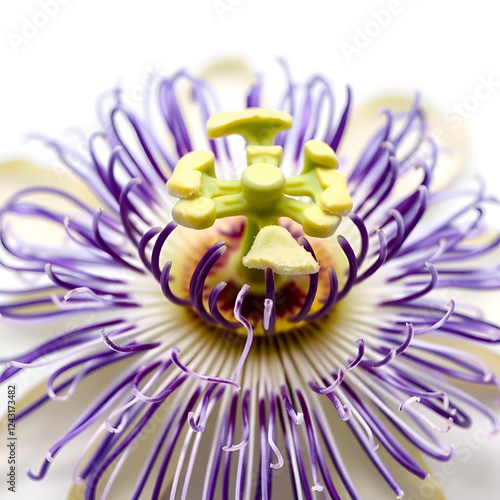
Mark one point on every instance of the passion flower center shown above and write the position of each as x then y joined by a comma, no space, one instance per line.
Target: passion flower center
264,196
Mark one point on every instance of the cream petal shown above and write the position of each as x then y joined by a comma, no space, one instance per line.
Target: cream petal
411,484
19,174
488,300
232,78
76,492
450,138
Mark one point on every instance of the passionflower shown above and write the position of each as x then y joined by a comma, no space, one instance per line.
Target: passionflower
231,317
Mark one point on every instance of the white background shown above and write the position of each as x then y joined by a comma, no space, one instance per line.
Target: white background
443,49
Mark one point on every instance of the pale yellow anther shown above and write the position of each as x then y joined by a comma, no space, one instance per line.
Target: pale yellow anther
319,223
319,154
186,179
258,126
327,177
275,248
196,213
335,199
